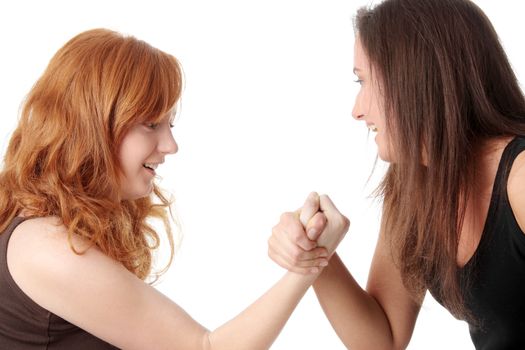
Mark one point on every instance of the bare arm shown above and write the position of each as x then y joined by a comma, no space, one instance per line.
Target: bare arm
259,324
381,317
99,295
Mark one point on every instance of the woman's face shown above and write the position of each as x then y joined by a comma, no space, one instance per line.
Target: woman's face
368,103
143,148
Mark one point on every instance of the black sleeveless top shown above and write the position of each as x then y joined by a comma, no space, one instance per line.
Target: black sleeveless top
493,280
25,325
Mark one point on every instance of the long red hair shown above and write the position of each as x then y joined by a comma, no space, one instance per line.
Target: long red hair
62,158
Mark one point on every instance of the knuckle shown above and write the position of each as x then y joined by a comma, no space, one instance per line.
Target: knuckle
296,256
271,253
346,223
343,222
308,246
296,236
276,231
309,256
285,217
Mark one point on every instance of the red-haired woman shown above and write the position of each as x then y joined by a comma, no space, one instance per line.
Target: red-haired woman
75,195
438,92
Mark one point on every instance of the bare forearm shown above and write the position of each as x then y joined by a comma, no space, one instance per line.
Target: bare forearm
357,317
259,324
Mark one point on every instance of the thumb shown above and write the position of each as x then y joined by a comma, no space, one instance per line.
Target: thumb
316,226
333,214
327,206
310,207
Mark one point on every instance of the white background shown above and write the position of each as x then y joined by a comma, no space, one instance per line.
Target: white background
266,118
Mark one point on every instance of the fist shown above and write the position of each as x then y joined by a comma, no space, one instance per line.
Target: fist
303,241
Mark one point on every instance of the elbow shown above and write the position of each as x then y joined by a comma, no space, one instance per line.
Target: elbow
399,347
374,347
206,341
383,341
399,344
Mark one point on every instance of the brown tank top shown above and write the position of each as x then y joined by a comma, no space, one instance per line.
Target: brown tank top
25,325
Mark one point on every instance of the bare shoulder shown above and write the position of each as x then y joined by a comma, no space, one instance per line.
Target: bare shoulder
516,189
44,266
41,260
82,288
37,231
41,242
95,292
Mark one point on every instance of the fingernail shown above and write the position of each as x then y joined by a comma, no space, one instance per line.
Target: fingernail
312,232
324,263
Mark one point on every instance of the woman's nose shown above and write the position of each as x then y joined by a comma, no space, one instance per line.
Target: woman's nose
167,144
357,111
357,116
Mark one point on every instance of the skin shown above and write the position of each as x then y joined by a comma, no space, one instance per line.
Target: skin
131,314
516,190
144,143
367,106
383,315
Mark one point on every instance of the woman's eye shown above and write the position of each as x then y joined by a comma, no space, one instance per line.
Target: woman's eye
359,81
152,125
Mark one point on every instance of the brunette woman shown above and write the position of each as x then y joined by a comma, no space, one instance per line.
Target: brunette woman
438,92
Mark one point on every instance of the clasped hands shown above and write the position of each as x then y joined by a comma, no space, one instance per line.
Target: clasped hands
303,241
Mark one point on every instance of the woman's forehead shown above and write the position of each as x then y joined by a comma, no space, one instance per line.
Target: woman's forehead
360,58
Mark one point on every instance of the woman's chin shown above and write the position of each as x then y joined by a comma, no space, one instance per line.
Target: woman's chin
384,155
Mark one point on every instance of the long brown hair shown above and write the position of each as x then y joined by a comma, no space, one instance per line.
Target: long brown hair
62,158
447,85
